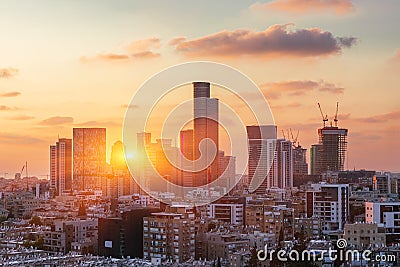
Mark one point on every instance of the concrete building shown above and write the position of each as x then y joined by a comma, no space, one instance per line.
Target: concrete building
227,169
20,204
308,228
186,147
271,219
169,235
283,164
300,166
330,203
232,213
64,233
315,155
364,235
331,150
382,183
89,157
123,236
221,245
386,213
61,167
262,143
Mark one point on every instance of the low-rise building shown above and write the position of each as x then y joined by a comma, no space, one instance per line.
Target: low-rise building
365,235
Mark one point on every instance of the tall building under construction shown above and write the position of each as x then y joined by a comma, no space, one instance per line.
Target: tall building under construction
333,145
330,153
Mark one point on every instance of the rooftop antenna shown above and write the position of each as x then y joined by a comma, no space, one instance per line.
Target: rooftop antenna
324,117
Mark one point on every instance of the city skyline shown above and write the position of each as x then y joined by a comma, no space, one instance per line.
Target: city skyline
72,76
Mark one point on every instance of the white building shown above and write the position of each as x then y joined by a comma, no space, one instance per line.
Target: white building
330,203
226,212
386,213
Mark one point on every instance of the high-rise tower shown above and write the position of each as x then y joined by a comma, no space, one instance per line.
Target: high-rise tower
89,157
61,166
262,143
333,141
205,126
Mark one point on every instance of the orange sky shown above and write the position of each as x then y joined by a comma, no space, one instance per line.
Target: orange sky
72,64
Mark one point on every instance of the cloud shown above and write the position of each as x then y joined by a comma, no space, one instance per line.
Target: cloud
395,59
106,57
10,94
380,118
21,118
8,72
144,45
274,90
99,124
130,106
338,7
139,49
18,139
145,54
4,108
177,40
277,40
57,120
290,105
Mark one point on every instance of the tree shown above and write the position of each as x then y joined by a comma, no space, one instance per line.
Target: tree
82,210
3,219
35,220
218,262
254,261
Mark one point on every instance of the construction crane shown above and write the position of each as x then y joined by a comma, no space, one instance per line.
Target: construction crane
336,114
324,118
294,139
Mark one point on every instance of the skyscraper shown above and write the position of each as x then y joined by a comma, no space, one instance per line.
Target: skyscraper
283,163
315,155
330,153
89,157
262,142
120,173
205,126
300,166
334,147
61,166
186,147
227,169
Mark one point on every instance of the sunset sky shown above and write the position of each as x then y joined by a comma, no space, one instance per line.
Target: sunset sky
66,64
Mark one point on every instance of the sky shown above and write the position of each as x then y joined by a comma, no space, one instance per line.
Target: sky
66,64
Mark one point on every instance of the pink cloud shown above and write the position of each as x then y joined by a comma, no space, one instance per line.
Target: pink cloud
8,72
274,90
143,45
277,40
10,94
339,7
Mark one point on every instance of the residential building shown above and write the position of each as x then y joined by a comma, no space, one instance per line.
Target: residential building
365,235
330,203
262,143
61,167
169,235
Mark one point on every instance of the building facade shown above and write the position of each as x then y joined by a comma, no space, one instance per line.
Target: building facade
61,166
89,157
330,203
205,125
169,235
